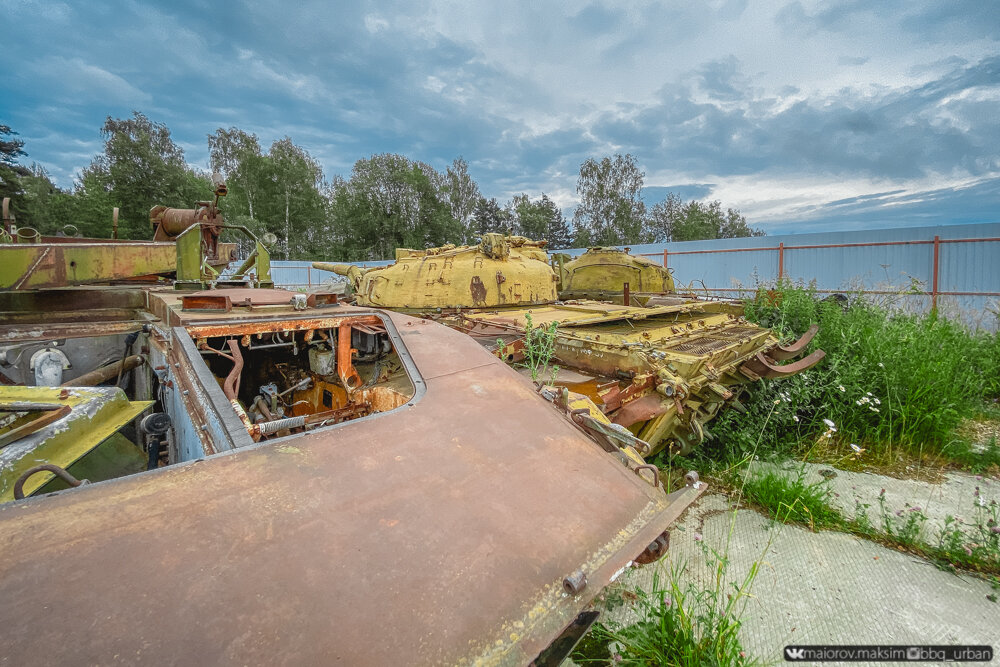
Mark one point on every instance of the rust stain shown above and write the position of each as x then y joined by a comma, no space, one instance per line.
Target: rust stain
478,290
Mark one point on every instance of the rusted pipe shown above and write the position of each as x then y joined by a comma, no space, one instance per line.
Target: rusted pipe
104,373
56,470
231,386
345,365
261,406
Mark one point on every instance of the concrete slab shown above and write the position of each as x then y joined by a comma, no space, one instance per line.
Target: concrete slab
954,496
823,588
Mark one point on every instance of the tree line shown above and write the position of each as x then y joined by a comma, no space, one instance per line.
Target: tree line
388,201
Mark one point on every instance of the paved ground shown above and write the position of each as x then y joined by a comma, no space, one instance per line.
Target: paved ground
954,496
829,587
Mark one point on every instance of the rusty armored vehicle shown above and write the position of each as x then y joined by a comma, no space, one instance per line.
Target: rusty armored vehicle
661,370
244,475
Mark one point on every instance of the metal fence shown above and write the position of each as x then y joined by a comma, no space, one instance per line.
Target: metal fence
293,274
955,268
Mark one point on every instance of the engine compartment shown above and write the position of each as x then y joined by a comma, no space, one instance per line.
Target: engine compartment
283,378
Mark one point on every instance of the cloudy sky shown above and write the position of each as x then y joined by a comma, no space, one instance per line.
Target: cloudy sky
804,115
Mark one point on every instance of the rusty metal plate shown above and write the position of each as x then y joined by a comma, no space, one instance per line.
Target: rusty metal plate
440,532
206,302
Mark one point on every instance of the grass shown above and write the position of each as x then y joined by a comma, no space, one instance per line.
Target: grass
677,624
793,499
895,384
973,546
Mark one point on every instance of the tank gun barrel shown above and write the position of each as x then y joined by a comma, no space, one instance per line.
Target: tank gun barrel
339,269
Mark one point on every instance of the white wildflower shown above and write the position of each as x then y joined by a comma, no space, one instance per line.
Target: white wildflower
881,365
796,418
878,402
841,388
829,423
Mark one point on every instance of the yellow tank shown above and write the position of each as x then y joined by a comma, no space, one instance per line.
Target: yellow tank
661,371
602,273
502,271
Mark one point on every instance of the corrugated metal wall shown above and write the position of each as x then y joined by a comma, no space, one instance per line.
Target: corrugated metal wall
292,274
962,267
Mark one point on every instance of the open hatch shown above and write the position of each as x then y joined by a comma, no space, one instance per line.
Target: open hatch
289,376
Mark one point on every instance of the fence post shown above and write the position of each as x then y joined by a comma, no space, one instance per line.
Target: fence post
664,258
934,275
781,261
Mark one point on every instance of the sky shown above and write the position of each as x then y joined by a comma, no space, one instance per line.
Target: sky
805,116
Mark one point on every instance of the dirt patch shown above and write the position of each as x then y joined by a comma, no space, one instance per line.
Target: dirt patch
980,432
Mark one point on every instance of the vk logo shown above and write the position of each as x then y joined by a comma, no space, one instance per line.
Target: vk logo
794,653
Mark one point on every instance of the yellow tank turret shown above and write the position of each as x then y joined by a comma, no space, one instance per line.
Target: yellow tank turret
500,271
601,273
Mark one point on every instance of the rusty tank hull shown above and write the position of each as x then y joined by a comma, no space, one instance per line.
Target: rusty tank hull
298,481
663,370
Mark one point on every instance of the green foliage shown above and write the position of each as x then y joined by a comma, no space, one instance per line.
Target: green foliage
611,211
791,498
11,172
539,344
889,380
280,191
678,624
391,202
141,167
388,202
463,196
673,220
539,220
970,545
489,216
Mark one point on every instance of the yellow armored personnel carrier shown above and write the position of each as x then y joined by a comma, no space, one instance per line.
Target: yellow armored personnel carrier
660,371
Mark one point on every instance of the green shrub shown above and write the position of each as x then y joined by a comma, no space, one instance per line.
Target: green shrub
889,379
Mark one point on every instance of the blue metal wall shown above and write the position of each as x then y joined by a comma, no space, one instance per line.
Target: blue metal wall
293,274
963,267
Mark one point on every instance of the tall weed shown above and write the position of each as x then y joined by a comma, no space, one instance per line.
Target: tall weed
890,380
